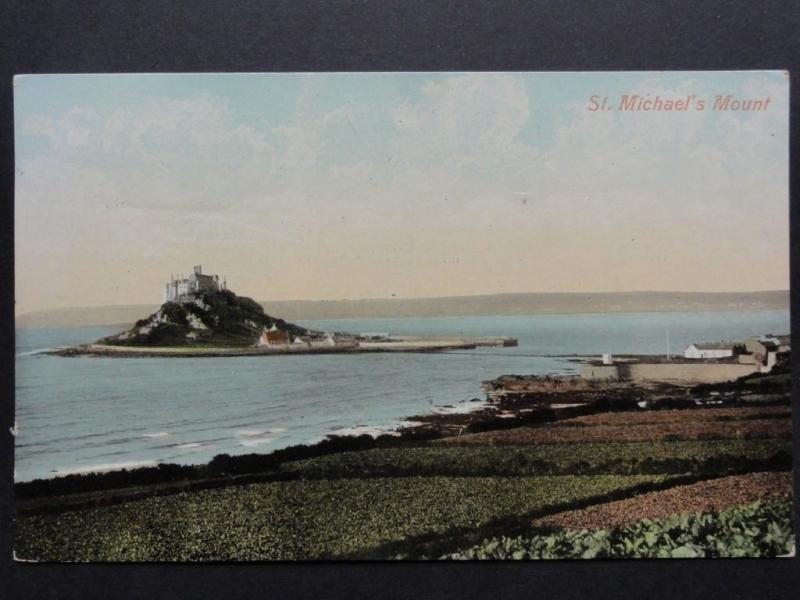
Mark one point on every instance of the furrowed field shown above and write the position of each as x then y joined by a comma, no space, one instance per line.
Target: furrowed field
306,519
670,483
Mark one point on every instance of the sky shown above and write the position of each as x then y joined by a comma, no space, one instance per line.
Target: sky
377,185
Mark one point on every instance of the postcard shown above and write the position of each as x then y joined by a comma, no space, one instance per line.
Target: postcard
402,316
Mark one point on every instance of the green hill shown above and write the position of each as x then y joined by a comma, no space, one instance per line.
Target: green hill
214,319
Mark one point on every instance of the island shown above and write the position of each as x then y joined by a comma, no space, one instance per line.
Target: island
201,317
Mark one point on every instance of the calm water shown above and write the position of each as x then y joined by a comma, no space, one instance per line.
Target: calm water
83,413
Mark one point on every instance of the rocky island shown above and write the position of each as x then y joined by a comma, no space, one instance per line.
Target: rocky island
202,317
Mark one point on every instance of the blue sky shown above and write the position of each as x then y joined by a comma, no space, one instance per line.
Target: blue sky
372,184
258,99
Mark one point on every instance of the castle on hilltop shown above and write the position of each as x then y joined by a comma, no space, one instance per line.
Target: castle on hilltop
182,290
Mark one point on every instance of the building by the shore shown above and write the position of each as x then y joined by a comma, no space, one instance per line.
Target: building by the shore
701,363
273,337
761,348
703,350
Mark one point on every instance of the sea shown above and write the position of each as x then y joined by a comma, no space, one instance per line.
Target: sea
87,414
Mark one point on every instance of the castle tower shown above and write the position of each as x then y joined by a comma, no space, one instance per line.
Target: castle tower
182,288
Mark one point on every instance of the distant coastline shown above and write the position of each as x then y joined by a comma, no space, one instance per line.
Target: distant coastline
454,306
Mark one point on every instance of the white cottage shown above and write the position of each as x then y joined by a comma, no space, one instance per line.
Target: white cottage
709,350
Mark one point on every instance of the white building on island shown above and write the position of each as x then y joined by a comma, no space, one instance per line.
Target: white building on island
182,290
273,337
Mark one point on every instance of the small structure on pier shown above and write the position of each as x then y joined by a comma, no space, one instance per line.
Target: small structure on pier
595,371
341,340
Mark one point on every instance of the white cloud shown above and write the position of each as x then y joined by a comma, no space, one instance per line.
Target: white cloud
462,120
416,192
165,153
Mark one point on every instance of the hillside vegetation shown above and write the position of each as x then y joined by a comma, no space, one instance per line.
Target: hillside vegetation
214,319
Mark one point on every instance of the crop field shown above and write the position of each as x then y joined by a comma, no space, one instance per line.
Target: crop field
702,430
712,458
754,530
771,422
302,519
655,417
709,495
576,488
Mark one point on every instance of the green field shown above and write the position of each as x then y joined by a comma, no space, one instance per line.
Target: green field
755,530
695,457
428,500
303,519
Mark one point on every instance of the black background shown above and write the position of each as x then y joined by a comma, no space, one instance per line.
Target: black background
79,36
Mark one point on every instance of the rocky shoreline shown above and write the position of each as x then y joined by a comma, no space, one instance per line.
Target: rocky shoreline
512,402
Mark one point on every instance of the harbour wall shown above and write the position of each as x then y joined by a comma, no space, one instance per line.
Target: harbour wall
669,372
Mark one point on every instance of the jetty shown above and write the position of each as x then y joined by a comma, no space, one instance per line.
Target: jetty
409,344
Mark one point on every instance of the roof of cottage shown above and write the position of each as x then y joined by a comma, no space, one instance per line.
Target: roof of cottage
714,345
